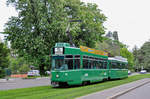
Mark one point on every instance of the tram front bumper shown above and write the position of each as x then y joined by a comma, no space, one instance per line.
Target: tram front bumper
55,84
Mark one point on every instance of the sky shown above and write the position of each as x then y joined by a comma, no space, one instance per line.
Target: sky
131,18
5,13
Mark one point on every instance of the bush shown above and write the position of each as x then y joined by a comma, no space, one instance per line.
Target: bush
2,73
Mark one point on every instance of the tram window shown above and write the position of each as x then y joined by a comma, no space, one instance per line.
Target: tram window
85,64
101,65
69,62
113,66
126,66
58,63
104,65
85,57
98,65
77,64
123,66
91,57
77,56
68,56
110,65
95,65
91,64
118,65
77,61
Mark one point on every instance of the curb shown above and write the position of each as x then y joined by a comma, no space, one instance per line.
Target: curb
126,91
6,81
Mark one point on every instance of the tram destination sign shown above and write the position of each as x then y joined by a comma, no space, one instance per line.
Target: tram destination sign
59,51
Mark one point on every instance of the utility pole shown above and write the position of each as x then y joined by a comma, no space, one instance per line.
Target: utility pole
68,32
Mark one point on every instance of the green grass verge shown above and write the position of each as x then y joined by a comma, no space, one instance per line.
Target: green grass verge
47,92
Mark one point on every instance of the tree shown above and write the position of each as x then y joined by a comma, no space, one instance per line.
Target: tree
18,65
42,23
135,52
111,46
125,53
143,56
4,62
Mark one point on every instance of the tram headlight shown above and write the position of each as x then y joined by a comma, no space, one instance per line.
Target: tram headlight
57,76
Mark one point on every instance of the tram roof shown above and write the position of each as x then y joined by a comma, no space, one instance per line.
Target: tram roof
118,58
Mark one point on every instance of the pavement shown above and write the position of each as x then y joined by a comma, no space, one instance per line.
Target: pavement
15,83
116,92
138,93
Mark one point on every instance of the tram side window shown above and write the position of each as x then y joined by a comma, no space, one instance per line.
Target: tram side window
85,63
123,66
95,65
104,65
113,65
118,65
77,62
101,64
90,64
69,61
126,66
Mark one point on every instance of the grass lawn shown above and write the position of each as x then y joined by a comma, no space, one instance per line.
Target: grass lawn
47,92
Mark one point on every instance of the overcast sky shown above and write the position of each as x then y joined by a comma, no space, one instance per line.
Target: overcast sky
131,18
5,13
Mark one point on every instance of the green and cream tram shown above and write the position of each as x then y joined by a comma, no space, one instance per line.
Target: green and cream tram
76,66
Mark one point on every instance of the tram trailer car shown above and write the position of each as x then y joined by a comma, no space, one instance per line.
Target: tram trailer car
77,66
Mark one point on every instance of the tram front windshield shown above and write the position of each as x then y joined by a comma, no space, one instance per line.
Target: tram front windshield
65,62
58,63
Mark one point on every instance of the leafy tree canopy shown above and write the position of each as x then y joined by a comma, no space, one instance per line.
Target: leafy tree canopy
113,47
125,53
142,56
42,23
4,61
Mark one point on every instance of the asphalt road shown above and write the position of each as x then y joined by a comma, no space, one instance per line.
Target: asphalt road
26,83
135,73
23,83
142,92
